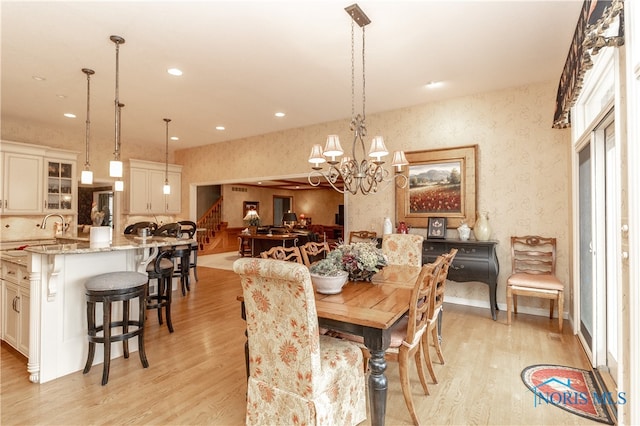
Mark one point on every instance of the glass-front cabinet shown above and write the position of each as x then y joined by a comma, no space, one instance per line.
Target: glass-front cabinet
59,185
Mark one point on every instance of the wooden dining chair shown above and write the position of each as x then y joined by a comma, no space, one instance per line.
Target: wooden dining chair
533,273
296,375
290,254
359,236
312,252
403,249
433,331
407,334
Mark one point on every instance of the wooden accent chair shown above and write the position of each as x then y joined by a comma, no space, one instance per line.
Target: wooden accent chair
435,313
290,254
312,252
403,249
358,236
296,376
533,273
244,247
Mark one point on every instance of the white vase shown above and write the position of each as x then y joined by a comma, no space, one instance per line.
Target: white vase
482,229
387,226
327,284
463,232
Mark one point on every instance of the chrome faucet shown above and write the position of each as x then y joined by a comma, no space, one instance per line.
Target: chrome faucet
44,221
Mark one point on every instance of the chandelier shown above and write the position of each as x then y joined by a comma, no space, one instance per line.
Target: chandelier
355,174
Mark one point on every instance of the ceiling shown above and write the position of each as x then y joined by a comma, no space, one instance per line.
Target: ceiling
245,60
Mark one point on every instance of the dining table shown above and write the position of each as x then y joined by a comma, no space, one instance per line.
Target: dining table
370,310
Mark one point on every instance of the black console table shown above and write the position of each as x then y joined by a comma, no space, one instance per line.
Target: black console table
475,261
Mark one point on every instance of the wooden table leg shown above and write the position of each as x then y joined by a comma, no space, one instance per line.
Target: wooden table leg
377,342
377,387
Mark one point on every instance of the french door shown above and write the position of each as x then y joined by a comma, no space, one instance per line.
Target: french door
598,245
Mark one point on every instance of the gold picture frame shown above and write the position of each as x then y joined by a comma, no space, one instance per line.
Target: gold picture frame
440,183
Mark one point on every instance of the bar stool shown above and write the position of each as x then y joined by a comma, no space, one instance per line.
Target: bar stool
183,254
190,228
106,289
161,270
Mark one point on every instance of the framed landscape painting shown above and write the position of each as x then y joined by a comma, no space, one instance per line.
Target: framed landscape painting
440,183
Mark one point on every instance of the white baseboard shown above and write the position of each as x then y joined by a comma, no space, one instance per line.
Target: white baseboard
542,312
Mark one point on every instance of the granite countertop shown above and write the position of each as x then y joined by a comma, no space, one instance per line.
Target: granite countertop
81,245
18,257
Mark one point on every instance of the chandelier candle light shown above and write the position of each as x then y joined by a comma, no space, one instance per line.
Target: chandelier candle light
166,189
87,175
115,165
356,175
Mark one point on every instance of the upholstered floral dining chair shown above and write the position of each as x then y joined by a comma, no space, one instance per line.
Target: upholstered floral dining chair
403,249
296,376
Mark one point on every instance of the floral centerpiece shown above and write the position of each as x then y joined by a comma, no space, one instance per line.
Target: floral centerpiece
360,260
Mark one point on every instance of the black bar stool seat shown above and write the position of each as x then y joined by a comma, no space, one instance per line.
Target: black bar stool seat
107,289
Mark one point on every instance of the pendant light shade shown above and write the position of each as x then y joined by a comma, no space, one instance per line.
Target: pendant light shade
86,176
115,168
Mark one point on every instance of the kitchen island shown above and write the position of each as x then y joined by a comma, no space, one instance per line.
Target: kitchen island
57,331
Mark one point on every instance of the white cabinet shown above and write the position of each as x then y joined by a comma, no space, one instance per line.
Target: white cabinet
145,188
37,179
15,306
21,183
60,185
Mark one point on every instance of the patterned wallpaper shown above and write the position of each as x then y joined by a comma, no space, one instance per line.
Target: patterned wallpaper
523,165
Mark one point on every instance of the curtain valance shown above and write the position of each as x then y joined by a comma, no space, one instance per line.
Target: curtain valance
592,33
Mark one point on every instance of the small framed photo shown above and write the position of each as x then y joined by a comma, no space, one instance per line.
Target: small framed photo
437,227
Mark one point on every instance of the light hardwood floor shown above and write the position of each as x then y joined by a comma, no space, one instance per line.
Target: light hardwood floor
197,374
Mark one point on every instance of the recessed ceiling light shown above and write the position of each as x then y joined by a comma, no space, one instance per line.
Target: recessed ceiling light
280,114
62,96
69,115
174,138
38,78
174,71
434,84
219,127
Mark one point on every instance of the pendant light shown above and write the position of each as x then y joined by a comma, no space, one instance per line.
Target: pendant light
166,189
87,175
115,165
